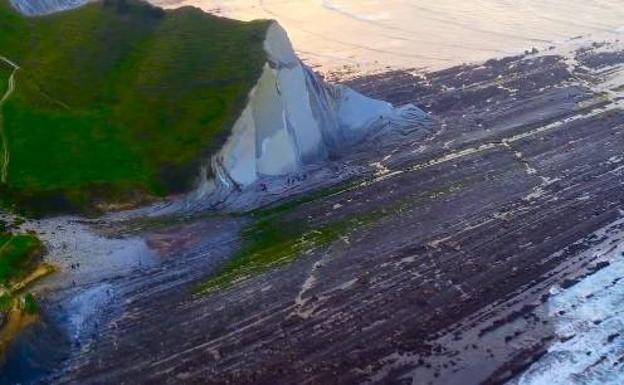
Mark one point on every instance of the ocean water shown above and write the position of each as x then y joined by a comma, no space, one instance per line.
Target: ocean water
432,34
589,325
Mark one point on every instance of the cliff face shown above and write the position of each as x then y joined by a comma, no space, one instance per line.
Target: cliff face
293,118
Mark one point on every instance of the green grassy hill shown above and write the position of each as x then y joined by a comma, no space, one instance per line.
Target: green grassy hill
18,254
118,100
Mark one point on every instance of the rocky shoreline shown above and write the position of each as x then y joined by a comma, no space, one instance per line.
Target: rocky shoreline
513,191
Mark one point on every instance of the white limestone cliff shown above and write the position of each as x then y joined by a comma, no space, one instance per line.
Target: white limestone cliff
293,118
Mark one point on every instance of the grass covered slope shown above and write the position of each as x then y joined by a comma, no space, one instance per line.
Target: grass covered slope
117,99
18,254
20,266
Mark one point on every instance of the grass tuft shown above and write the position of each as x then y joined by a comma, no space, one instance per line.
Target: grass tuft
30,304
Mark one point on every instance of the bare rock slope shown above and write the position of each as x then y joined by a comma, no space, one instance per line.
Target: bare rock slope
293,118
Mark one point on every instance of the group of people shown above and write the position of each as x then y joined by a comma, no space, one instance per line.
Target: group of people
290,181
296,179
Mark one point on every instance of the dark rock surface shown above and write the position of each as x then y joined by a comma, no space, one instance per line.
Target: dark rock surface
496,205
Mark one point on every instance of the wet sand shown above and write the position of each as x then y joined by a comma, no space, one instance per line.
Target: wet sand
431,34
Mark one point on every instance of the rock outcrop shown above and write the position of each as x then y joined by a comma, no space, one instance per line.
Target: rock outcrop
293,118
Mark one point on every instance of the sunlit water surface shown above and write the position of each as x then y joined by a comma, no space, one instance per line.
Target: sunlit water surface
423,33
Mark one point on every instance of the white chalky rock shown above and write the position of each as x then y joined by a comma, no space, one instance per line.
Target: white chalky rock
293,118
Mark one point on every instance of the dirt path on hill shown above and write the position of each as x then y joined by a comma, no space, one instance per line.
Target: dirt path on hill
6,157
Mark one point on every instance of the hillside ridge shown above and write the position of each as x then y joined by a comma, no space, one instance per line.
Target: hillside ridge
118,103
